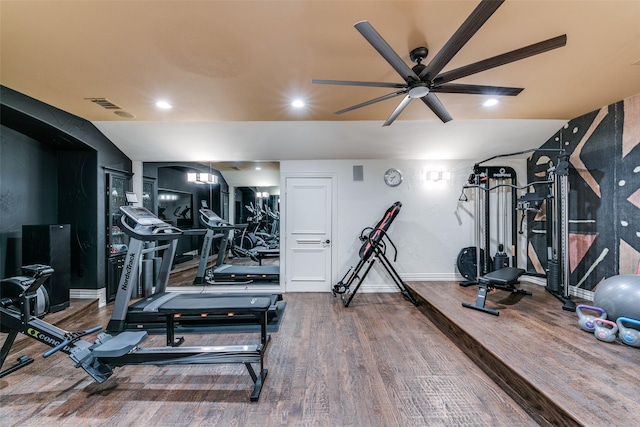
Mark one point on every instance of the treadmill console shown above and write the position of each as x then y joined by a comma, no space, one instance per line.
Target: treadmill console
141,216
209,217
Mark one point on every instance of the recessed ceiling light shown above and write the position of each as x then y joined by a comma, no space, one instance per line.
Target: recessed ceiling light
258,168
490,102
164,105
298,103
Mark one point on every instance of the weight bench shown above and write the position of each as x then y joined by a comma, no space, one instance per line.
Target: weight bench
504,279
122,350
231,306
262,253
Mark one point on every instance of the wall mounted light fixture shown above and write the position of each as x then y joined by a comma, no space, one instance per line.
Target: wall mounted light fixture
202,178
167,197
262,195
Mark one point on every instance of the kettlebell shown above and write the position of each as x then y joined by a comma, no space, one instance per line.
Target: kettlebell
605,330
585,321
627,335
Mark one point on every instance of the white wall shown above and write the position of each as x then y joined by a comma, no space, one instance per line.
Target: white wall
431,228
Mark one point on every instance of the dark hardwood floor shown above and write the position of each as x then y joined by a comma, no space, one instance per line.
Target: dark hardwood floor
539,355
379,362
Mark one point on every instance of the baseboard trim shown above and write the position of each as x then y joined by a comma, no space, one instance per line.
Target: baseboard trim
99,294
431,277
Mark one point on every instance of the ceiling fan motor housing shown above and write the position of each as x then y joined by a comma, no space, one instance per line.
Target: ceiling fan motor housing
418,54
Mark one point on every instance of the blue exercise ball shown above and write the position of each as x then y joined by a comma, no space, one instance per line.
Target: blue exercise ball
619,296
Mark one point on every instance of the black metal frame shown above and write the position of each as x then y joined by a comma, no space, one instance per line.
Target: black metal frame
557,200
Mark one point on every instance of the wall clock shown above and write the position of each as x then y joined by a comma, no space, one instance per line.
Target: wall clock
393,177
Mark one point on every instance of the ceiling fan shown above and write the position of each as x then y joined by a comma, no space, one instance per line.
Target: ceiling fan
424,81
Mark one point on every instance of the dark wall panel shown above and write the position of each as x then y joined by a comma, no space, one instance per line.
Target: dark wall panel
79,152
77,206
28,192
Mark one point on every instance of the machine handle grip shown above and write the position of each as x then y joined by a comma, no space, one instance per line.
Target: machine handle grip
69,340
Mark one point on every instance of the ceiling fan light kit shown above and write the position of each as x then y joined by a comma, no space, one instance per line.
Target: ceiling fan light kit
424,81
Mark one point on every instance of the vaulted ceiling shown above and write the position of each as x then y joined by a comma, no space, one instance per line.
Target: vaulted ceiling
231,69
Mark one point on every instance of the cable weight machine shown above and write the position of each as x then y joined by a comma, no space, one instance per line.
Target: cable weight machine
554,191
491,212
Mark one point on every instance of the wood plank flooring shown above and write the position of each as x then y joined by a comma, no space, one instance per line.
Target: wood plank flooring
537,352
379,362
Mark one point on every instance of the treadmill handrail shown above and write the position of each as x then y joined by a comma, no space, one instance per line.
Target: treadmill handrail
212,222
158,232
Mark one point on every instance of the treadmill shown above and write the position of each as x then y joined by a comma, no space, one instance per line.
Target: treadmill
228,274
148,236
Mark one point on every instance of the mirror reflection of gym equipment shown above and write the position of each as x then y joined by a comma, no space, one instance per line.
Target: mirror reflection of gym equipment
501,271
175,207
221,272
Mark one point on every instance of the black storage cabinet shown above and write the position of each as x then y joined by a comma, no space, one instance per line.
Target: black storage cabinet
50,245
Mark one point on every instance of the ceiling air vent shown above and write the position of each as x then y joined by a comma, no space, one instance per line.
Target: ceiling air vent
104,103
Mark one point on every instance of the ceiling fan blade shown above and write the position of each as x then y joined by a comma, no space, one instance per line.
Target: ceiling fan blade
372,101
477,89
399,109
469,27
505,58
355,83
383,48
436,106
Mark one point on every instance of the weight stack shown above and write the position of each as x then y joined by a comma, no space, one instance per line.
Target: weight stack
553,278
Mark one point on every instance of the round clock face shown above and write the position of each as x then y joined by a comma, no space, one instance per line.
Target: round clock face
393,177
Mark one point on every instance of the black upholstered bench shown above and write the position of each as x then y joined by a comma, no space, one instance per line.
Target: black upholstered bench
505,279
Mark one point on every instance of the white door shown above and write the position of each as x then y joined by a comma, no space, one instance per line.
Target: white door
308,234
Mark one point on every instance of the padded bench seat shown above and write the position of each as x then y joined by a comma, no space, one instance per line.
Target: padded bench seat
503,277
229,305
262,253
216,305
